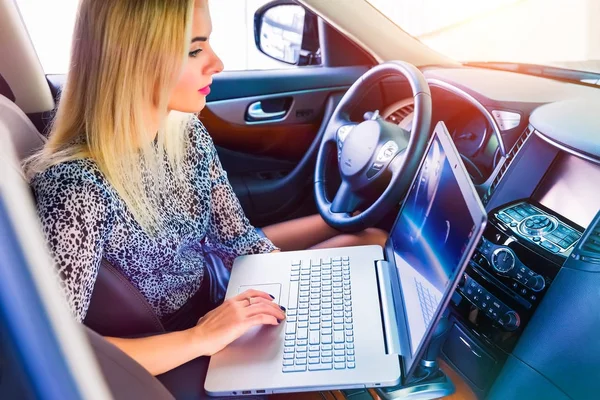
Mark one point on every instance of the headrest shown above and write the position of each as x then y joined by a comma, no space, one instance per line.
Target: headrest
18,127
5,90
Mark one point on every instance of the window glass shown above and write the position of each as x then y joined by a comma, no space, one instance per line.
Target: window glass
50,25
550,32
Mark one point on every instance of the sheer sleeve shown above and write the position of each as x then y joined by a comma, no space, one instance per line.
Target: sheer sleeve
75,217
230,232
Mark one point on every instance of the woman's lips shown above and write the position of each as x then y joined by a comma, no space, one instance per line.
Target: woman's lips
205,90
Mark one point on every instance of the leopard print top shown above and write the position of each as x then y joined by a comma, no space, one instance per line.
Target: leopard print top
84,220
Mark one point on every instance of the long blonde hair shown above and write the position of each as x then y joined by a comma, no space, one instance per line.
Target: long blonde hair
126,58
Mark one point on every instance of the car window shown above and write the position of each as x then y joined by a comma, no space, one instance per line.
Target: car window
50,26
543,32
233,35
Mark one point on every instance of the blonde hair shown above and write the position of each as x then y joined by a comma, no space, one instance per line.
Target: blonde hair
126,58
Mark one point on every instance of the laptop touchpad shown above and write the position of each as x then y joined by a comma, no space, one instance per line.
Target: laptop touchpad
274,289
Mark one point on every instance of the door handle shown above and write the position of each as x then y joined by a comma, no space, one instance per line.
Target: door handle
256,112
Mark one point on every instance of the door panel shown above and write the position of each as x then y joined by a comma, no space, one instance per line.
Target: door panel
271,139
286,138
270,163
270,189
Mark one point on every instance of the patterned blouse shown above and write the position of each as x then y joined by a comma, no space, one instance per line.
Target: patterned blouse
84,220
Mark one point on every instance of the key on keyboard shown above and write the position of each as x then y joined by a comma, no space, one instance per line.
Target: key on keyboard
427,300
321,289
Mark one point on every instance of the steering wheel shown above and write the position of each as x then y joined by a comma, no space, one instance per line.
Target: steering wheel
371,151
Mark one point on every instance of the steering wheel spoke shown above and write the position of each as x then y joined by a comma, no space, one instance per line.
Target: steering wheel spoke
345,200
342,132
396,166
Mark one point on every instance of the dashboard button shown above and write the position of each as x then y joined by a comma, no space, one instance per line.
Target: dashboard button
387,151
564,231
504,218
565,244
372,172
510,320
515,215
527,209
553,248
536,283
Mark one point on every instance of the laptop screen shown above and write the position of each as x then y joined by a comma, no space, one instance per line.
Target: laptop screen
429,238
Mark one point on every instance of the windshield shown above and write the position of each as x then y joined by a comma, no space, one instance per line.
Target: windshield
558,33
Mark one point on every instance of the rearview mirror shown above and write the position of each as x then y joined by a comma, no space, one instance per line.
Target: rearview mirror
286,32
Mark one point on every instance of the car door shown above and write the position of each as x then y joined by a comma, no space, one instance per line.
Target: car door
266,116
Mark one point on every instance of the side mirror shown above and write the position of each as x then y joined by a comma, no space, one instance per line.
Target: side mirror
285,31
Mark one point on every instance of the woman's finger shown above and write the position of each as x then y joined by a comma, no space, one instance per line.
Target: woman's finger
266,309
259,319
250,293
270,303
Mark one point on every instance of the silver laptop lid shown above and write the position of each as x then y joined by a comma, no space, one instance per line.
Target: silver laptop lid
434,236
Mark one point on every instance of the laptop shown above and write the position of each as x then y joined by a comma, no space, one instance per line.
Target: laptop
358,316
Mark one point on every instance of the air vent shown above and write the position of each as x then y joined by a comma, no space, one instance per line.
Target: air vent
592,243
398,116
510,156
589,246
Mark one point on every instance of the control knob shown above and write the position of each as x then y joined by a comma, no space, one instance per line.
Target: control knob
510,320
536,283
503,260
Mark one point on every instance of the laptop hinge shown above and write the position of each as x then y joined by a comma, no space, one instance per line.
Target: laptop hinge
388,313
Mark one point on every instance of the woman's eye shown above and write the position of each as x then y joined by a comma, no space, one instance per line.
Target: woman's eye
194,53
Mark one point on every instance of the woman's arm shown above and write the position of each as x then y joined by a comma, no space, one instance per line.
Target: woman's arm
230,232
161,353
76,217
218,328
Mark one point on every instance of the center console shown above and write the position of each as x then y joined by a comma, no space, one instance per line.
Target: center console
522,250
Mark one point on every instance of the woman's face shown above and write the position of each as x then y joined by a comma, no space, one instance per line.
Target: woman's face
193,86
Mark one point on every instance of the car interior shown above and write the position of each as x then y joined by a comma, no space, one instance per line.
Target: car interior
521,323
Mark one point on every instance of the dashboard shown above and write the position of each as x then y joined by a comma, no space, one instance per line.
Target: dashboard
532,148
471,132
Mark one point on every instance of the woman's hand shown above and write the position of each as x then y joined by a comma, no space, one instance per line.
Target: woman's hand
235,317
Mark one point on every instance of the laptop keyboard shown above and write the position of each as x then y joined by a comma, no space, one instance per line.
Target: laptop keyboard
428,302
319,333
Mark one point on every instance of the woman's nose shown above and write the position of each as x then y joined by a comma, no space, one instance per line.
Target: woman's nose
216,65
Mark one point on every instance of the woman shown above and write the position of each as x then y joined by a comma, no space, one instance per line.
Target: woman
129,174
